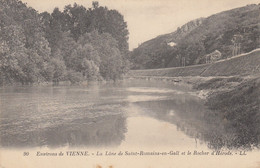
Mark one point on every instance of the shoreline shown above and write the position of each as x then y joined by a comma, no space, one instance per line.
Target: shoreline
234,100
233,107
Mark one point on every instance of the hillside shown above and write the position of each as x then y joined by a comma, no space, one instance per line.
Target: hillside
200,37
245,64
172,37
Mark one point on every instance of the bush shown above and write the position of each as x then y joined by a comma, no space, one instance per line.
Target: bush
74,77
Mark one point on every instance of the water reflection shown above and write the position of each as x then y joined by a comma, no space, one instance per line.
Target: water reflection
192,117
103,115
186,112
101,131
61,116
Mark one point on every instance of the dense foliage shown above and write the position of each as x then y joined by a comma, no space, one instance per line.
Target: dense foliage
74,44
200,37
239,112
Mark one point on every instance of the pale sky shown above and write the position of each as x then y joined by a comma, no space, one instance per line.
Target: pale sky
147,19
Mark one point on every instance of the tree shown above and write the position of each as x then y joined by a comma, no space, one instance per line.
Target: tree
90,69
59,70
61,45
52,27
112,22
85,59
77,20
112,64
74,77
14,54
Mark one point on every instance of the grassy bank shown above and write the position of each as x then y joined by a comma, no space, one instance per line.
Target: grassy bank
235,104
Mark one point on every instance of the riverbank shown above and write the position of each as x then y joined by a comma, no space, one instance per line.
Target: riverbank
60,83
242,65
234,102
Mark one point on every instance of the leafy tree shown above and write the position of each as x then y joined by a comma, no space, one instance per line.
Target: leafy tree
73,44
112,22
111,66
77,20
13,54
59,70
74,77
81,57
67,46
110,56
90,69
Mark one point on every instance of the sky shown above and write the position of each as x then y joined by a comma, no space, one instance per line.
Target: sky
147,19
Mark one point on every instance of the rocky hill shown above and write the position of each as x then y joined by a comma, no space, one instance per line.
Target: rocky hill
190,43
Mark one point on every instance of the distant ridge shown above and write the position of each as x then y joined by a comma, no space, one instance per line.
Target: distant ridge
171,37
197,38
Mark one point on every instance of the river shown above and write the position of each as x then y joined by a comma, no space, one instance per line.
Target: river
133,116
135,113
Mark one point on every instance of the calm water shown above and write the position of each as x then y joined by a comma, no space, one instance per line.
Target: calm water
130,113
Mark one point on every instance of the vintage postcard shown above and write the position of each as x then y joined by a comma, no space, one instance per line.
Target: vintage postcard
129,83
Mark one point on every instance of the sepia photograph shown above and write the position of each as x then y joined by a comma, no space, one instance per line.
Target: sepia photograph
129,83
